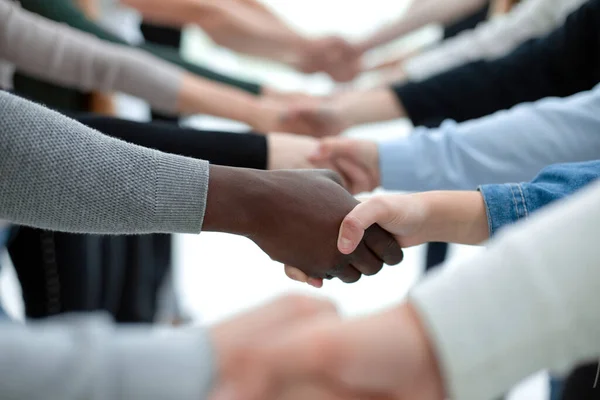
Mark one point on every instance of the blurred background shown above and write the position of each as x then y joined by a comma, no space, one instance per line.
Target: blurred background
218,275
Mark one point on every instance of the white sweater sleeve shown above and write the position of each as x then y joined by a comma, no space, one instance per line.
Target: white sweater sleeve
492,39
527,303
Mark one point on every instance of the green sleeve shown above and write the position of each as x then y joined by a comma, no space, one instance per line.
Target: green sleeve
66,12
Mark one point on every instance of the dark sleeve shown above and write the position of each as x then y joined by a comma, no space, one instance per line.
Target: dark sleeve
67,12
244,150
565,62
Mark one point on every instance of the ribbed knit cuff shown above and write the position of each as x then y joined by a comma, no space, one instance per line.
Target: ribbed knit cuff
181,190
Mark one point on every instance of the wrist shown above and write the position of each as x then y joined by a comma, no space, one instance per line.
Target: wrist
430,369
454,217
362,107
231,193
263,115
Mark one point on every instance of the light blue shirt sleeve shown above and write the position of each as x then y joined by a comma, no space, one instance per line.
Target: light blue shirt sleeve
509,146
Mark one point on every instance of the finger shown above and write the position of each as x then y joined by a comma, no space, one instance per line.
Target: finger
315,282
347,274
384,245
345,180
356,223
295,274
329,175
323,118
365,261
360,179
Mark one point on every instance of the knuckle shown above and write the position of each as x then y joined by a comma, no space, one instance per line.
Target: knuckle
353,223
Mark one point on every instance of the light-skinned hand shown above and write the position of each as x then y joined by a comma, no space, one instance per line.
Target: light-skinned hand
387,356
356,160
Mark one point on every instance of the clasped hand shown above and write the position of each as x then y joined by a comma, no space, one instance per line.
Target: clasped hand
298,348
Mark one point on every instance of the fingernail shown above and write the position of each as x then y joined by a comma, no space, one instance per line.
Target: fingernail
345,244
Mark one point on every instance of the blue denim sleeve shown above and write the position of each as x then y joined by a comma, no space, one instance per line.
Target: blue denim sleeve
507,203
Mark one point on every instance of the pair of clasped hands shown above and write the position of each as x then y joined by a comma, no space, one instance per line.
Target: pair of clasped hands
299,347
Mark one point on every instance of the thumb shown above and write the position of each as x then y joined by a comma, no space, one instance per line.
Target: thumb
358,221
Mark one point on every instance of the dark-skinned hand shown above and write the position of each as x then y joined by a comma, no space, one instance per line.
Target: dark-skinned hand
295,216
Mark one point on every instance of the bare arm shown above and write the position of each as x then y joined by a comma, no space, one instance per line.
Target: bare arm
420,14
236,24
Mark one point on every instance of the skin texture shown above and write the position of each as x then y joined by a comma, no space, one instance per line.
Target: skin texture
386,356
251,28
414,219
420,14
287,151
235,340
294,216
332,115
356,160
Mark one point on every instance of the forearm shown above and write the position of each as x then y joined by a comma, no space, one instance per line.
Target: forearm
453,217
119,363
362,107
239,27
201,96
265,11
522,299
178,13
172,56
63,176
509,146
421,13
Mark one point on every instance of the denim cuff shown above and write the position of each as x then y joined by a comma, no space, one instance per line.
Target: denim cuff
505,204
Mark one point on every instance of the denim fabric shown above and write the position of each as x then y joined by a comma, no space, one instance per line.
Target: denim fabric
507,203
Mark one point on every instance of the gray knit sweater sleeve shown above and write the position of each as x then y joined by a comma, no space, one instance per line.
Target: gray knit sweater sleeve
58,174
48,50
73,358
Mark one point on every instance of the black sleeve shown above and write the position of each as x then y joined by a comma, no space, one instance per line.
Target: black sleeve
245,150
565,62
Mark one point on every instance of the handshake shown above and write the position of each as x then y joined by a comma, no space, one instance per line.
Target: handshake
298,348
356,161
333,55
